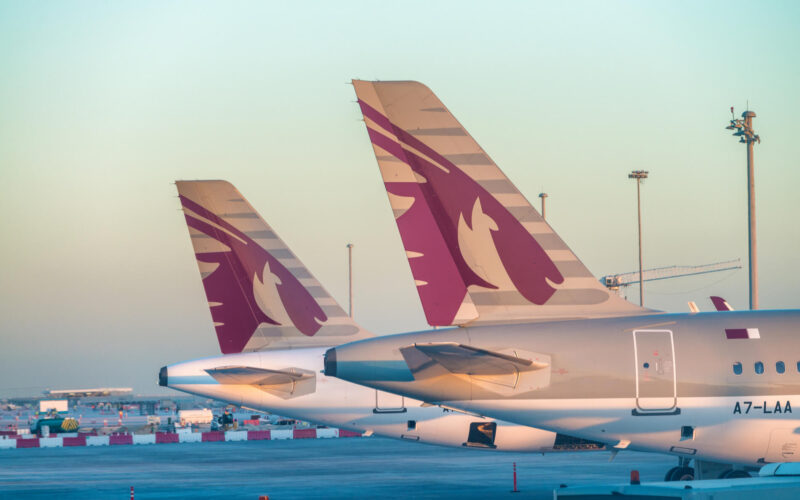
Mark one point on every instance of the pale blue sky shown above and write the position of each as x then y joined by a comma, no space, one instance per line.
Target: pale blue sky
104,104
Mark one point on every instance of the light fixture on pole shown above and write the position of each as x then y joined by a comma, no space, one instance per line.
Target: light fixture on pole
744,131
639,175
350,278
543,196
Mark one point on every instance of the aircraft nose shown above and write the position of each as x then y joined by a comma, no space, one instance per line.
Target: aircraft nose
163,377
330,362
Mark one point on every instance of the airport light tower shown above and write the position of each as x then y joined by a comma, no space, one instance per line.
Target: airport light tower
744,131
639,175
543,196
350,278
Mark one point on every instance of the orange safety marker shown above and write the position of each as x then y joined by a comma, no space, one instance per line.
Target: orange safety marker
515,490
635,477
131,492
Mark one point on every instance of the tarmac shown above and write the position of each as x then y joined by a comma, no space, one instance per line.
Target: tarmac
308,468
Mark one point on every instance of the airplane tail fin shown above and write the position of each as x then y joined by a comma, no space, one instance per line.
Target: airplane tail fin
260,295
720,304
478,250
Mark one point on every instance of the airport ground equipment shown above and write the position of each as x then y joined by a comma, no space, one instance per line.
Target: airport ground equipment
778,481
54,424
195,417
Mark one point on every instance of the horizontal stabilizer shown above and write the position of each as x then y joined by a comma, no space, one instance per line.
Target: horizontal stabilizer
466,360
246,375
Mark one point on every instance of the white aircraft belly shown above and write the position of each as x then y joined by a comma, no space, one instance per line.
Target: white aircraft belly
759,433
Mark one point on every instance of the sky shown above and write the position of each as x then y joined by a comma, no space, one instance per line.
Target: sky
103,105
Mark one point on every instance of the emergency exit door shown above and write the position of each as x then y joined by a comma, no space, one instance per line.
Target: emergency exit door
656,383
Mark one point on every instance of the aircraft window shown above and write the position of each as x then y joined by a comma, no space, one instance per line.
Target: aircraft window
798,366
737,368
412,425
780,367
759,367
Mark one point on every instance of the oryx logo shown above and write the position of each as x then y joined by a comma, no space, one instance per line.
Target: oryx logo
247,286
490,247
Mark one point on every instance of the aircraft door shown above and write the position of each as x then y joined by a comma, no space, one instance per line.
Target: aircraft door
784,446
481,435
656,384
386,402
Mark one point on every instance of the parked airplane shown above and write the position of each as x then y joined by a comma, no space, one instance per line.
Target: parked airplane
541,342
274,322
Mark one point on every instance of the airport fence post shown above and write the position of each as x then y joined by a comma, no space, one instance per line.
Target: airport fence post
131,492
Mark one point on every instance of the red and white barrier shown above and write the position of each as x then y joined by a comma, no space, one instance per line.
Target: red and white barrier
72,439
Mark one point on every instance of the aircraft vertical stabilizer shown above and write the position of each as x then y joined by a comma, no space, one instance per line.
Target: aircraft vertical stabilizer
478,250
260,295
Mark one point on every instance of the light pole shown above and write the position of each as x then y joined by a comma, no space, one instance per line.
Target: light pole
639,175
744,130
350,277
543,196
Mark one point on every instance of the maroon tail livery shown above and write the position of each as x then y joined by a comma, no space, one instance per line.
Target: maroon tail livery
251,279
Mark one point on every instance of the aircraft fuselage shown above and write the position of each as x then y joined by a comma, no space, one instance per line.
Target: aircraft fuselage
336,403
714,386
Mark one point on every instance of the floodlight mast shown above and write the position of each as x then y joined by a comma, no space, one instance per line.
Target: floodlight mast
543,196
350,278
743,128
639,175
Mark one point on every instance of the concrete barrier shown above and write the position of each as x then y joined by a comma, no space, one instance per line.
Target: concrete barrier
166,437
304,434
28,443
281,434
51,442
144,439
8,444
74,439
258,435
327,433
116,439
189,437
213,436
97,441
236,436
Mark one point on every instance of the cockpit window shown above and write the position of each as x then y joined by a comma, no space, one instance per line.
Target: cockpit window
737,368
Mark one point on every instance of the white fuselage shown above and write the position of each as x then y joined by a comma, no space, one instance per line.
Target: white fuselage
722,387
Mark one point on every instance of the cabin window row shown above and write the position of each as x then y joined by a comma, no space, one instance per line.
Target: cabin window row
758,367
